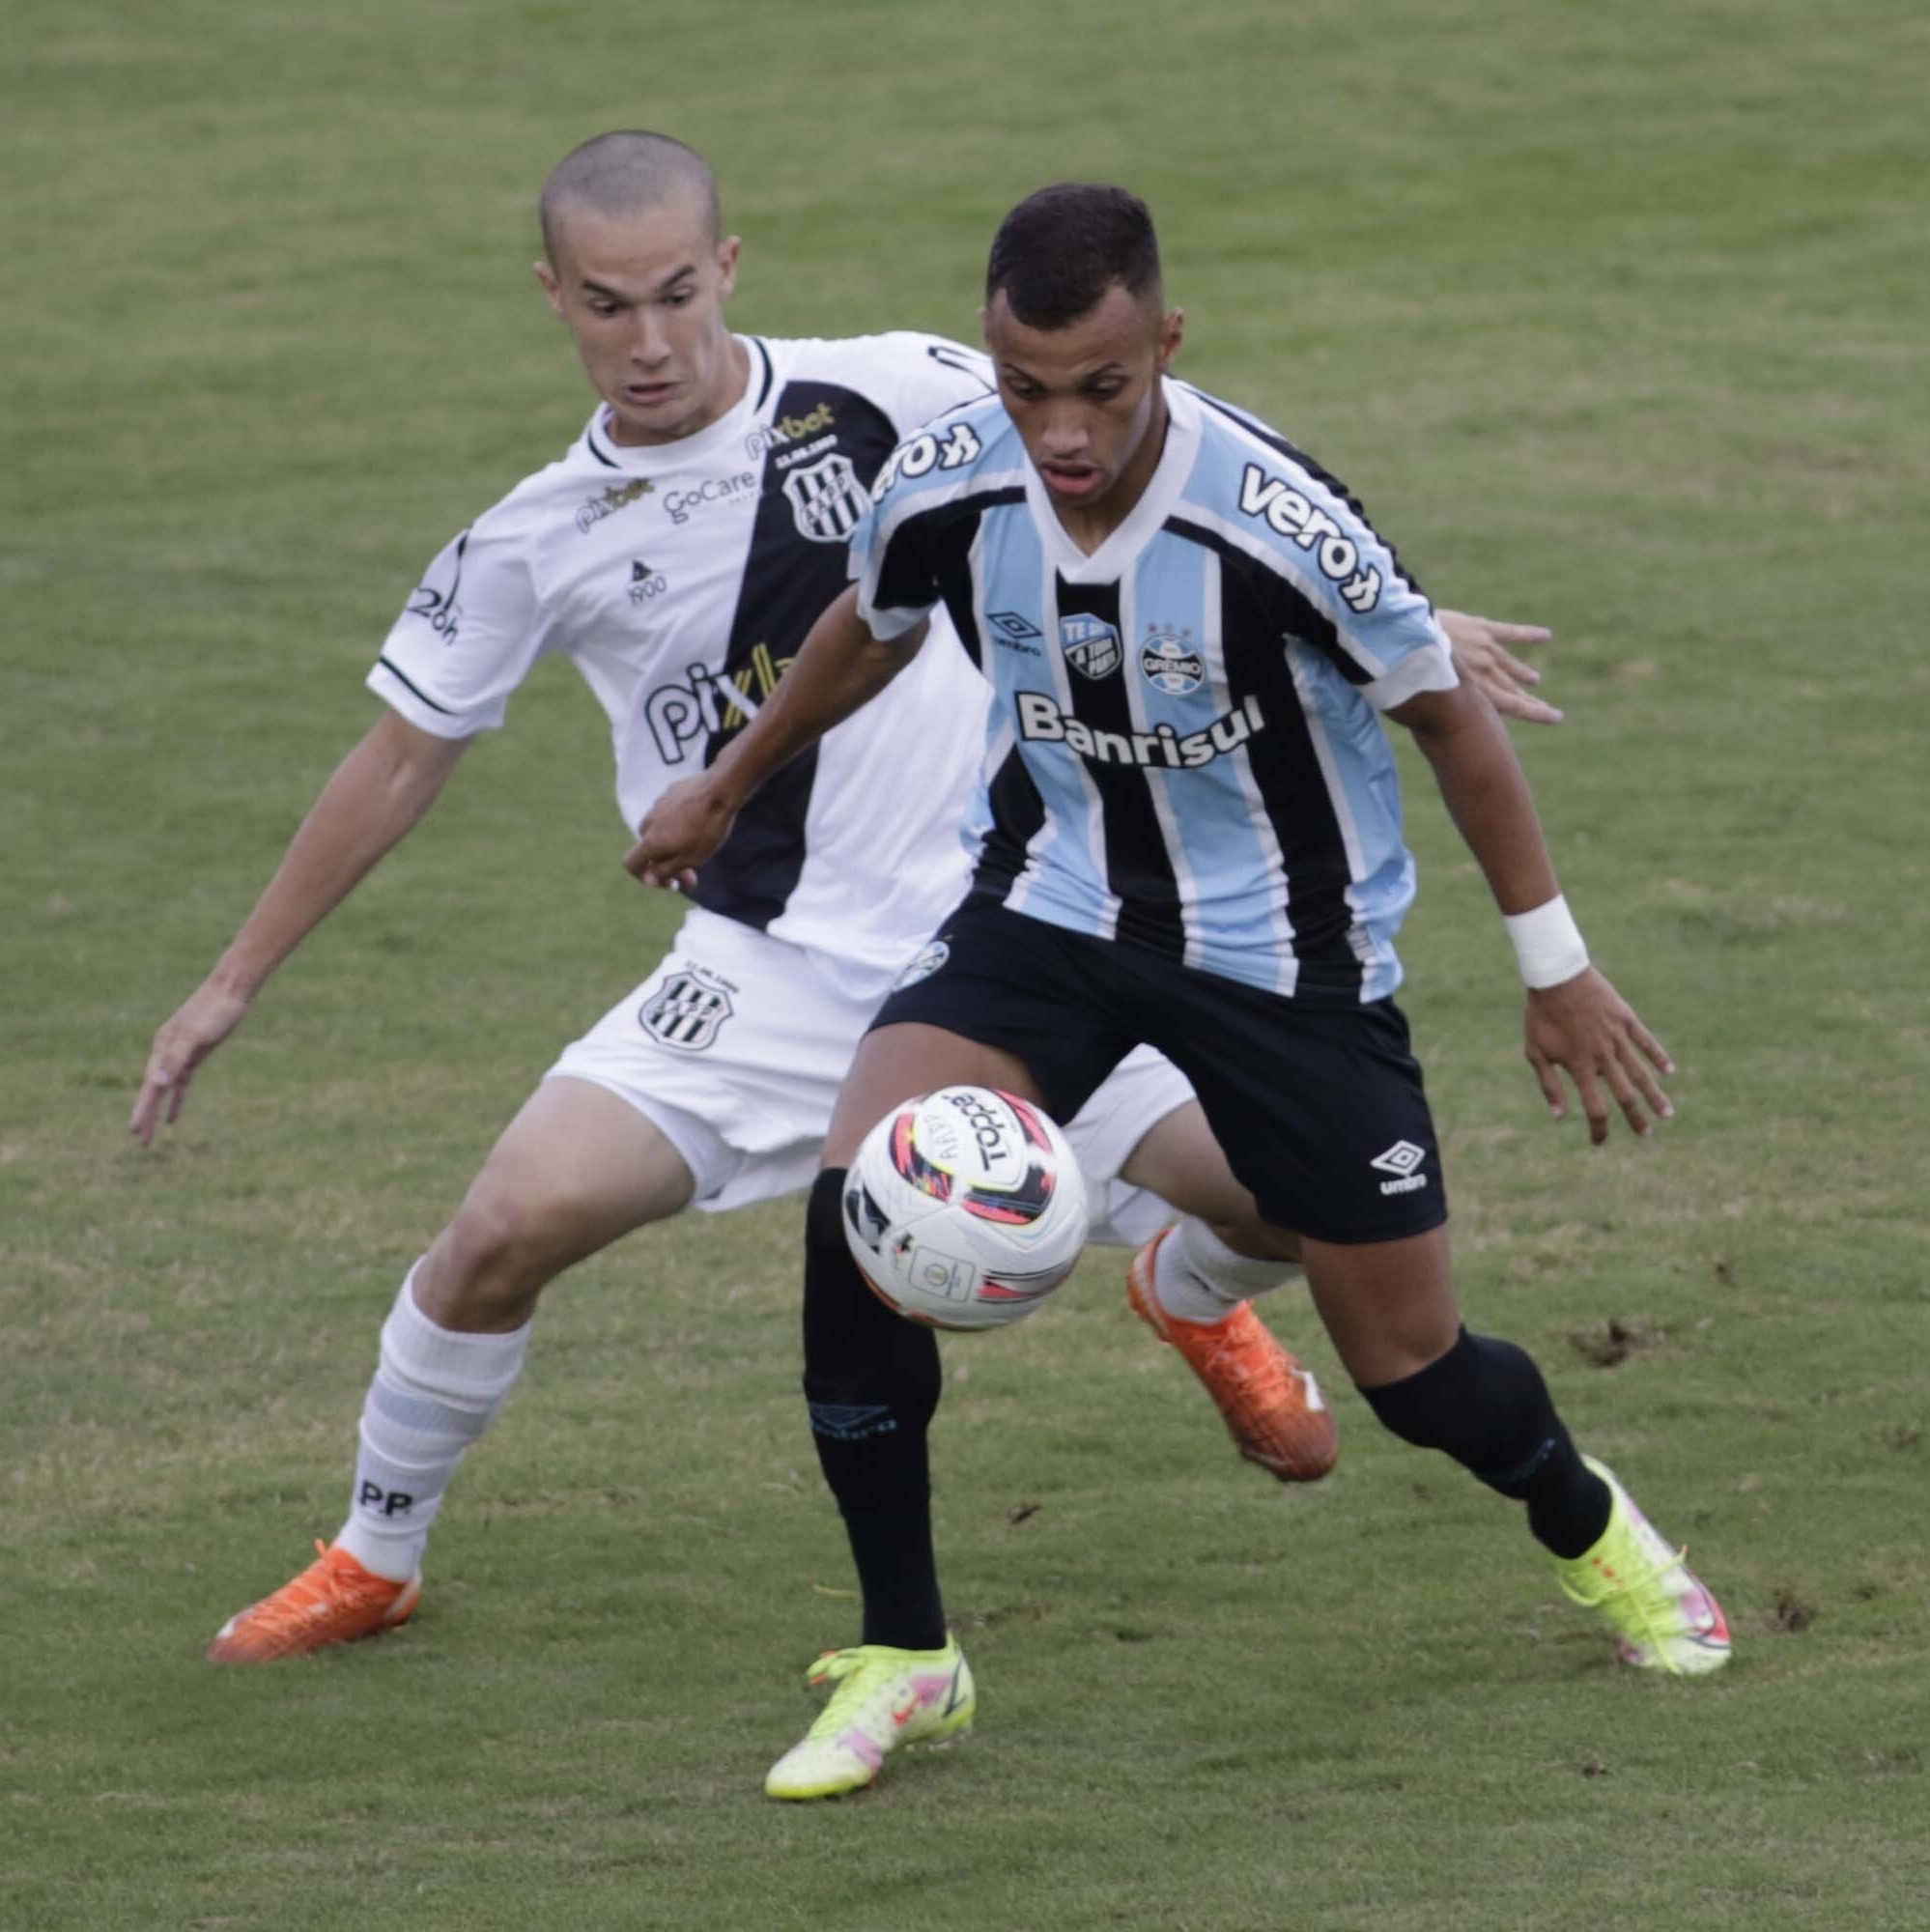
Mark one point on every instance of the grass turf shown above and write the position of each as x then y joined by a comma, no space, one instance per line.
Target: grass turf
1614,319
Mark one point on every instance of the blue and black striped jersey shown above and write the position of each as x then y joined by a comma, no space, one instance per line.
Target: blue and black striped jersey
1185,751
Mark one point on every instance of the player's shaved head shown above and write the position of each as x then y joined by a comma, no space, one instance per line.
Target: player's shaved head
1059,252
626,172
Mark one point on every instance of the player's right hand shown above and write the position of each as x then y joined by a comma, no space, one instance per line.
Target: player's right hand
1585,1029
678,834
206,1019
1480,652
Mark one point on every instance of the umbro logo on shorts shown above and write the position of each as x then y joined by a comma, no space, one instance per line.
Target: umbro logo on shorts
1401,1160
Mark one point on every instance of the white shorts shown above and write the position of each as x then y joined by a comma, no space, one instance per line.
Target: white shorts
735,1048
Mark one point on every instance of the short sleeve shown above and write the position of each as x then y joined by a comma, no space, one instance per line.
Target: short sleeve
1370,615
920,377
1390,642
466,639
890,559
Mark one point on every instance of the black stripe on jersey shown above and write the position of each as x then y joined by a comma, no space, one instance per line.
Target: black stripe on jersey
1138,869
954,580
1291,613
1293,788
589,441
908,576
1273,439
769,375
398,673
790,576
1017,815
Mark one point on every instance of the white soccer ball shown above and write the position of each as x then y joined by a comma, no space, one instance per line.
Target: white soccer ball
965,1209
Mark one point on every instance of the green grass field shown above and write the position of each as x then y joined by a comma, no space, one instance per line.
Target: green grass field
1615,318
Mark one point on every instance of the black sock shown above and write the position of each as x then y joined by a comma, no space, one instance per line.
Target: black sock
872,1380
1485,1403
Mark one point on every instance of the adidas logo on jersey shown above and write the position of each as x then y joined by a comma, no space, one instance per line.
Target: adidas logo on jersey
1043,722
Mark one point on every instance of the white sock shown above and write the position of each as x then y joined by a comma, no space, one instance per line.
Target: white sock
1198,1278
434,1392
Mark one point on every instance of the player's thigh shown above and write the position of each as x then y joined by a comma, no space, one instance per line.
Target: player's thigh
1148,1154
1389,1306
898,1062
577,1169
1179,1160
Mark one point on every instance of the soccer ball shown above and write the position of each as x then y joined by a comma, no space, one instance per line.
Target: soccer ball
965,1209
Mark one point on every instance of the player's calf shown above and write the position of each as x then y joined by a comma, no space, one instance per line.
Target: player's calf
871,1380
1485,1403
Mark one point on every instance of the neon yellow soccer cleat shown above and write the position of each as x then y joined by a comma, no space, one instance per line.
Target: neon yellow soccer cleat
1661,1611
885,1698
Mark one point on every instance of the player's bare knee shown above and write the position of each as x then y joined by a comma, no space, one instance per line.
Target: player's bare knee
502,1249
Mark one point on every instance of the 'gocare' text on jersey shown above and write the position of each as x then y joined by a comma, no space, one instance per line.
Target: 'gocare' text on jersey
680,579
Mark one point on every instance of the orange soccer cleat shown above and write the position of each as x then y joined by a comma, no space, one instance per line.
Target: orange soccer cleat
334,1600
1272,1405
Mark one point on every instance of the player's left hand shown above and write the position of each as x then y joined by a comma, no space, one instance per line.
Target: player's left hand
1481,649
678,834
1585,1028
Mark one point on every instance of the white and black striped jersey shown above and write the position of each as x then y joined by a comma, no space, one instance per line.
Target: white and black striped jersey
680,579
1184,750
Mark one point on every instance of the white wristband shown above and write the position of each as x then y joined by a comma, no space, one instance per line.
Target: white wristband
1548,943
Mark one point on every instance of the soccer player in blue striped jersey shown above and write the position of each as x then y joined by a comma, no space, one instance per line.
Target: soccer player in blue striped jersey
1190,836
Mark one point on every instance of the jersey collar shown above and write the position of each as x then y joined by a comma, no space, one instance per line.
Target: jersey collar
1108,562
725,437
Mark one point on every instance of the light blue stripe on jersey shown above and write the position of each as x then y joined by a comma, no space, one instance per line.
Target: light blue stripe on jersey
1364,789
1175,591
1282,746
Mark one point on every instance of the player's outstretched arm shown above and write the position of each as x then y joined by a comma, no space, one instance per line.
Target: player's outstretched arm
1577,1022
841,666
1483,650
379,793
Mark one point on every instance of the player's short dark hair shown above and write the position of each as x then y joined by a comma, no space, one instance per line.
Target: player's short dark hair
624,171
1061,249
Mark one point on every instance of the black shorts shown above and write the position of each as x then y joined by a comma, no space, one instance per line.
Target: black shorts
1320,1108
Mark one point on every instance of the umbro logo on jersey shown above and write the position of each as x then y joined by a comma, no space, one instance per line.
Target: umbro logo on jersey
1091,644
1289,513
613,499
1042,722
1401,1160
1015,633
688,1010
645,583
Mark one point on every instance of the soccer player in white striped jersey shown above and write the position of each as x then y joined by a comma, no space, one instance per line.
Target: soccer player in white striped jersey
677,553
1190,838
